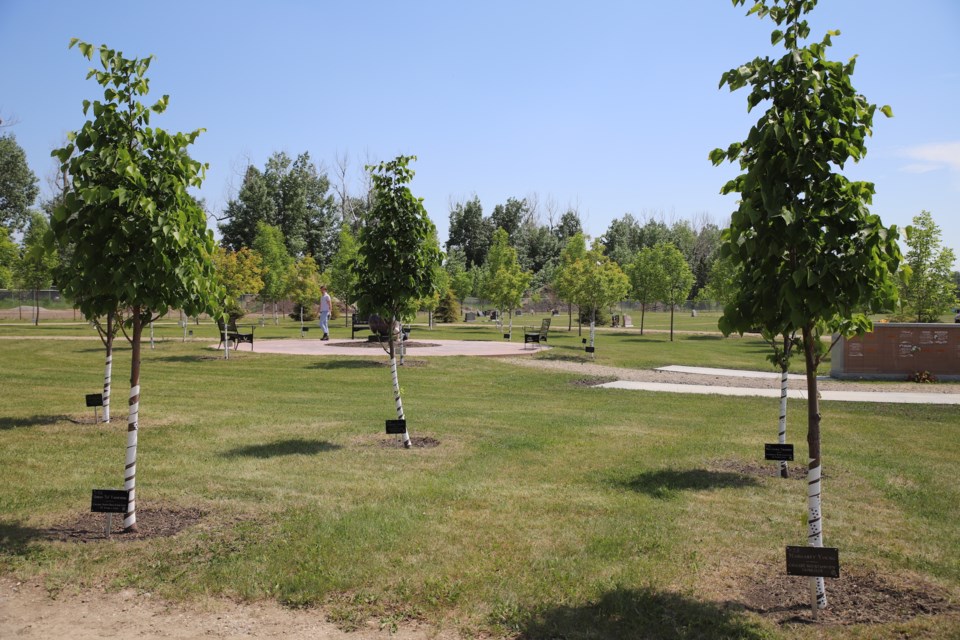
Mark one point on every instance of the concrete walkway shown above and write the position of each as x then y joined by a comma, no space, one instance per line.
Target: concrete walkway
314,347
830,396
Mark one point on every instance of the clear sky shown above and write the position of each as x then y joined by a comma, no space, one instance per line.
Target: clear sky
608,106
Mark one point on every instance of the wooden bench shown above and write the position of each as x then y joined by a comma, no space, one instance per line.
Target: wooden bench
358,324
234,335
532,336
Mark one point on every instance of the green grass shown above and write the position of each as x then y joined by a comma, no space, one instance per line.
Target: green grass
548,509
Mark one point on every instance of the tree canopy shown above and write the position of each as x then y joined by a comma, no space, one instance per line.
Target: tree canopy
927,289
18,185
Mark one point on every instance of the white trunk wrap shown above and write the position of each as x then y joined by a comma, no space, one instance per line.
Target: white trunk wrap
130,469
593,334
782,439
815,525
396,397
107,375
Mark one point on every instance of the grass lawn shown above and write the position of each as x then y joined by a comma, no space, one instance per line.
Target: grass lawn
549,509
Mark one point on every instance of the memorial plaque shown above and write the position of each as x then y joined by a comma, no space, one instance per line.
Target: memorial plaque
506,336
778,452
396,426
584,341
109,501
589,349
94,399
817,562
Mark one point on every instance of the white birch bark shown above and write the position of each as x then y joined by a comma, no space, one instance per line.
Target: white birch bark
130,468
107,375
815,524
782,436
510,330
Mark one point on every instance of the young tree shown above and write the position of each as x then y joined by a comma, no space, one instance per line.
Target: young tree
677,278
397,255
239,273
505,281
34,269
600,284
303,288
341,278
927,290
811,254
565,277
274,265
18,185
646,279
140,240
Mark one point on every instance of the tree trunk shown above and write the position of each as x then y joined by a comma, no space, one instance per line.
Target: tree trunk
226,343
510,329
36,307
671,321
814,488
643,310
569,316
396,391
593,330
133,417
782,437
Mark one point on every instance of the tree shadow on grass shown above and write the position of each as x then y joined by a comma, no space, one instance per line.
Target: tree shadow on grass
297,446
15,538
31,421
665,482
636,613
330,365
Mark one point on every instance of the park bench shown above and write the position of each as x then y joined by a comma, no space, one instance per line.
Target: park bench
533,336
234,334
358,324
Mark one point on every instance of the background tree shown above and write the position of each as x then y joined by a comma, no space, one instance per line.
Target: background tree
565,281
646,279
34,269
140,239
927,290
469,231
505,280
511,217
340,277
461,281
239,273
274,264
601,284
622,239
290,194
9,255
18,185
397,255
303,288
810,251
722,282
568,226
677,278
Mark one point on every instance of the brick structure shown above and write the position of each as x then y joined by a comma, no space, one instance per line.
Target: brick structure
894,351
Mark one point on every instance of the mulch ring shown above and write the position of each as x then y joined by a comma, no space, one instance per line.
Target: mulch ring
856,597
418,442
761,469
152,522
593,381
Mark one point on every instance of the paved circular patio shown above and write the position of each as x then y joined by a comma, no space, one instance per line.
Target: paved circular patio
313,347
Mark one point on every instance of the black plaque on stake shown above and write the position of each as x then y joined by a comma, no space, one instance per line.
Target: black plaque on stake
589,349
817,562
94,399
583,341
778,452
396,426
109,501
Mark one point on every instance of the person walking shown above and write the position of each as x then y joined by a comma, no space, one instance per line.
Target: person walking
325,306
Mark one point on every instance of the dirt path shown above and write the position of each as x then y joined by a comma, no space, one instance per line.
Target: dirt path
27,611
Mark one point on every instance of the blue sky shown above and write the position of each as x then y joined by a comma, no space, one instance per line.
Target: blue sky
611,107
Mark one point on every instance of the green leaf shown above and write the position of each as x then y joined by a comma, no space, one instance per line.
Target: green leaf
886,110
